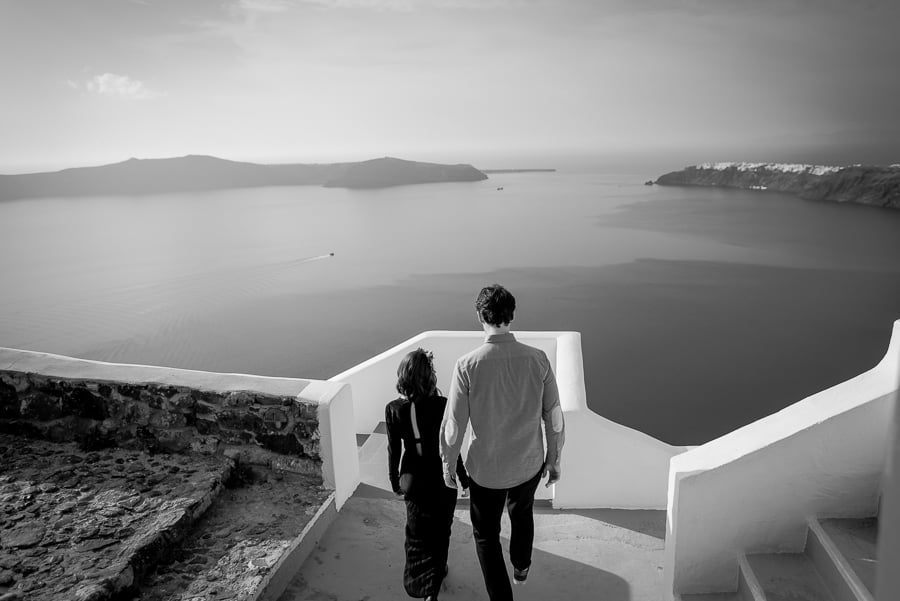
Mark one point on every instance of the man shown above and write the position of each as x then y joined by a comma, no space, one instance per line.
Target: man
504,389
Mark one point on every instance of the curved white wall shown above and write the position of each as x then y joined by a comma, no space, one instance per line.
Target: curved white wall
752,489
374,381
604,464
337,442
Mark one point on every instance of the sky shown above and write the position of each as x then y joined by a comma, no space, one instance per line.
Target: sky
497,83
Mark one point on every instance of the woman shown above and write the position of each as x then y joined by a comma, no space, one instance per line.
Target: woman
418,476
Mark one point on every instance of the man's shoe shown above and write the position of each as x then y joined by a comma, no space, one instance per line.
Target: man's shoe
520,576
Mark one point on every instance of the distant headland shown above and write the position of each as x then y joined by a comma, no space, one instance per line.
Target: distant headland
868,185
198,172
542,170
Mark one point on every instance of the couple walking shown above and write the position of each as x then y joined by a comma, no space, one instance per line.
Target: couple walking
504,389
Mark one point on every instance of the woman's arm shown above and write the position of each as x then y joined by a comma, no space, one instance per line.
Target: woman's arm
395,445
461,475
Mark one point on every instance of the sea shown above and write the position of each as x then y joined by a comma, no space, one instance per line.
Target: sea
700,309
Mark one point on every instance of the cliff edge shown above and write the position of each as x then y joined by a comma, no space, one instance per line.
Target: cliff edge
868,185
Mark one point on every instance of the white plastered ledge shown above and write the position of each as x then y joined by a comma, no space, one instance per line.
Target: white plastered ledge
753,489
59,366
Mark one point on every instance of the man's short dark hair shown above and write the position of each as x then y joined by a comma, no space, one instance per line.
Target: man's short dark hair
496,305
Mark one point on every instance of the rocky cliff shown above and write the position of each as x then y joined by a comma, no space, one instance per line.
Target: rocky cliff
869,185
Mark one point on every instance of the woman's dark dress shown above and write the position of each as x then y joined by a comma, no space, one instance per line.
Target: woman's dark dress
430,504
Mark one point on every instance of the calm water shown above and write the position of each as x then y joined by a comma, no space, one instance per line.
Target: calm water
700,310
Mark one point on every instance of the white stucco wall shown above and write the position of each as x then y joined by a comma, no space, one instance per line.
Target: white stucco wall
337,442
752,489
61,366
604,464
888,580
374,380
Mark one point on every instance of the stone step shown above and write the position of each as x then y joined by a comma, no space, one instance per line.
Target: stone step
844,552
749,588
374,449
785,577
99,519
373,464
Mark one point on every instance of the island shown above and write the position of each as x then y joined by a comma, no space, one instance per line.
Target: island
868,185
542,170
199,172
381,173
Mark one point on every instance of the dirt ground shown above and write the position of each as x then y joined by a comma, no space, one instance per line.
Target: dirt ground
243,534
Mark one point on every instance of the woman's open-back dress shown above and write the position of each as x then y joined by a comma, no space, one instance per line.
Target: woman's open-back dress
430,503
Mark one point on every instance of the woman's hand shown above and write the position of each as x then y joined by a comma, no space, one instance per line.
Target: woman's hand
449,480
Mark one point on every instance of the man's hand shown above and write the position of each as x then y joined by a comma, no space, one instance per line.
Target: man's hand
554,475
449,480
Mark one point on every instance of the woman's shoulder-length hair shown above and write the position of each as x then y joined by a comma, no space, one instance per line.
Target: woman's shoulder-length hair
415,375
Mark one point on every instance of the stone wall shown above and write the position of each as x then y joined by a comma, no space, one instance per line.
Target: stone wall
280,432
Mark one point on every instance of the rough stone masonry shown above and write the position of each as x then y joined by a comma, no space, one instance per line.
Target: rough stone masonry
280,432
99,479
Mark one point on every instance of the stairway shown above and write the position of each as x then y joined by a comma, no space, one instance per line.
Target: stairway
838,564
373,464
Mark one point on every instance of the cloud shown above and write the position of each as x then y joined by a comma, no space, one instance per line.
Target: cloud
401,5
116,86
410,5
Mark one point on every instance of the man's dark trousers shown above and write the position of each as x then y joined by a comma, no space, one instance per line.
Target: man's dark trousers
486,508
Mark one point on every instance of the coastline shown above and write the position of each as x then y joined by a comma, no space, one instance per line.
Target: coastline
543,170
877,186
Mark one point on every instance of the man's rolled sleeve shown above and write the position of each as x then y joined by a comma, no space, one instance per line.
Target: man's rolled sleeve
554,424
456,418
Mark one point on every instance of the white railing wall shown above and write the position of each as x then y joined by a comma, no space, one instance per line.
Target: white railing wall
888,580
752,489
337,442
604,464
374,380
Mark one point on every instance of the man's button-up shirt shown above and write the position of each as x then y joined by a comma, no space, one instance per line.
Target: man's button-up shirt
505,390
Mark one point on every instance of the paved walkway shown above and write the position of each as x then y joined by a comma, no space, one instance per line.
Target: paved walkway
602,554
